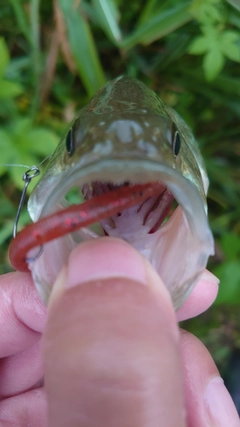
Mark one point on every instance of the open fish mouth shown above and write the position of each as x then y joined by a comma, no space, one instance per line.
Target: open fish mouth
169,228
148,215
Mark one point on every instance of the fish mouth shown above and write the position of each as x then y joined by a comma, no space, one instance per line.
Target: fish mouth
147,215
169,228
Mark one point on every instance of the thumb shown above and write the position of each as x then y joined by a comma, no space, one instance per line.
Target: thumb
110,346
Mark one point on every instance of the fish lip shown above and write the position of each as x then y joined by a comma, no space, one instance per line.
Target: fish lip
143,171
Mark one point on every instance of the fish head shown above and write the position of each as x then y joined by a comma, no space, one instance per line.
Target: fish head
125,136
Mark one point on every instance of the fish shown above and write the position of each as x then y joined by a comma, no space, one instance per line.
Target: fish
139,176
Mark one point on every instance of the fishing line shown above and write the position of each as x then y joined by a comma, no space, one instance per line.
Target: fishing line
17,165
24,166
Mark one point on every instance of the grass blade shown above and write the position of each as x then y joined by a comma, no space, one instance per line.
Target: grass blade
36,53
234,3
21,19
158,26
151,8
107,15
82,46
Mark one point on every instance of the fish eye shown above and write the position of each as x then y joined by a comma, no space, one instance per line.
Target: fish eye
69,142
176,144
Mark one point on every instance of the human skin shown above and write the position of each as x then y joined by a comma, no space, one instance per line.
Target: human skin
109,348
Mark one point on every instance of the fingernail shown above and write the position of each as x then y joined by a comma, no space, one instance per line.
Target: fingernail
105,259
220,406
209,277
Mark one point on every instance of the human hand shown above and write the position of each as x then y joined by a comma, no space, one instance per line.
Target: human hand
111,352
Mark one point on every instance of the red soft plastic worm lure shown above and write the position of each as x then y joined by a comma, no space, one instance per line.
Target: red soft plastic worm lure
76,216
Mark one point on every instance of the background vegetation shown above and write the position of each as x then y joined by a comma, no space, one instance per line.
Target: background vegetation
55,55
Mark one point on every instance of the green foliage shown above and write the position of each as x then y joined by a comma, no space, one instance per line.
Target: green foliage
23,143
82,47
8,89
216,42
159,25
217,46
107,15
229,271
234,3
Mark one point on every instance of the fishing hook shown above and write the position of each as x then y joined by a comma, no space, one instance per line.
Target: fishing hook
27,178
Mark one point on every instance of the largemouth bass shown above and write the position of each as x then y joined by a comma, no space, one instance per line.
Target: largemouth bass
130,156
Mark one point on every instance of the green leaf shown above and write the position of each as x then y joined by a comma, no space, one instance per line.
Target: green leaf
34,140
234,18
10,156
228,45
151,8
21,127
6,231
158,26
9,89
212,14
83,47
229,289
228,84
107,16
5,149
234,3
212,34
199,46
4,56
24,144
231,51
229,37
213,63
40,141
230,244
21,13
206,11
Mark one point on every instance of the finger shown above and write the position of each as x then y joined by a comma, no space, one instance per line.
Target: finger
22,314
21,372
201,298
111,343
208,402
27,409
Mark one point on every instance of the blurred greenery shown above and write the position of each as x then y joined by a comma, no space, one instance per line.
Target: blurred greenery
55,55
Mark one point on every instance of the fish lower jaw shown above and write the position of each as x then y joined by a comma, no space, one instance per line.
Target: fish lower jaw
174,241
